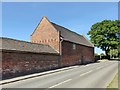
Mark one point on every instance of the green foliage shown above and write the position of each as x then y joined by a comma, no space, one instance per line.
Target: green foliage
97,54
102,54
113,52
106,35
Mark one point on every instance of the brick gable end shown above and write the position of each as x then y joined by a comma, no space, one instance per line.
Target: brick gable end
45,33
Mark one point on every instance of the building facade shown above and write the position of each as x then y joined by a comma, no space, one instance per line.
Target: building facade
51,46
72,47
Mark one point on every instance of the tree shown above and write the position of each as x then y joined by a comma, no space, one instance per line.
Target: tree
102,54
97,54
105,35
119,50
113,53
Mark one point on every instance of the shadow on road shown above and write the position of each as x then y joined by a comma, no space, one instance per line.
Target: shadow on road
114,60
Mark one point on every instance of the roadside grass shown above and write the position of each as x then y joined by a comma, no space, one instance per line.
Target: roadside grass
114,82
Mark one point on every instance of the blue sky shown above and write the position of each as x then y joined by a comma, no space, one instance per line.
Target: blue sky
20,19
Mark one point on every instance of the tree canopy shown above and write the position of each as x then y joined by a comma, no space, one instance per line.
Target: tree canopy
106,35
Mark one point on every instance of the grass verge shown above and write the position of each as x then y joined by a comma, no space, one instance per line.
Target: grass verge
114,82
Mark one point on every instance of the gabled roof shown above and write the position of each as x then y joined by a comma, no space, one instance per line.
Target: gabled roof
71,36
67,34
17,45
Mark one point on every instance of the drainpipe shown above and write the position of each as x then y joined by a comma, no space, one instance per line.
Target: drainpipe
61,40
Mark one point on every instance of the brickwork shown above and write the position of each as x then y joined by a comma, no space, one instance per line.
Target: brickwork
50,33
18,63
87,54
30,57
45,33
71,56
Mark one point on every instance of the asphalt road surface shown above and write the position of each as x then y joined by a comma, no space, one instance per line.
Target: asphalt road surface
95,75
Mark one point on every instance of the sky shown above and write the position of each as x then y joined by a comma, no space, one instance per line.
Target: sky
19,19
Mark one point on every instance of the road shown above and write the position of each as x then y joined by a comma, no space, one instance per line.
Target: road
95,75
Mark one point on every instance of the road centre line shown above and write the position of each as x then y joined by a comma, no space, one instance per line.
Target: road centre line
86,73
91,71
60,83
71,79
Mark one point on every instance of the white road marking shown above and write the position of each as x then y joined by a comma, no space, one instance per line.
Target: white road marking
86,73
60,83
91,71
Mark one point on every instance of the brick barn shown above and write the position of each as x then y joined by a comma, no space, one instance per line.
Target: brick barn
51,46
72,47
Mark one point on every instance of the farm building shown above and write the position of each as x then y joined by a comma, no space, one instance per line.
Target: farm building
51,46
72,47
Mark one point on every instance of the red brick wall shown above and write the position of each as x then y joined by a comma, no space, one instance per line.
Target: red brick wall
45,33
21,63
72,56
88,54
18,63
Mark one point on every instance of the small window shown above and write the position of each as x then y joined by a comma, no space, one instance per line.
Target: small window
74,46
